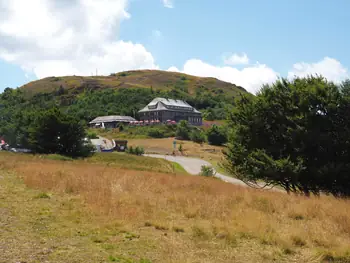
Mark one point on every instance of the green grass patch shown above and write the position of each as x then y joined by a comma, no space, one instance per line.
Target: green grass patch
135,162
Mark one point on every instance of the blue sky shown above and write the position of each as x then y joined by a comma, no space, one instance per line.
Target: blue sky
244,42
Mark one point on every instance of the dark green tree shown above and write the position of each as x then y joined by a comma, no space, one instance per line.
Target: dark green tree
54,132
294,134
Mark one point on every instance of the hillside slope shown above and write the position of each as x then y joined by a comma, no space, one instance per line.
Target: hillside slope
157,79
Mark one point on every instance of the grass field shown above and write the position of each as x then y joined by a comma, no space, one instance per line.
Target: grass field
74,211
205,151
210,153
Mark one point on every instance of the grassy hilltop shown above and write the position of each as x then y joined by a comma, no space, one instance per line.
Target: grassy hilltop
157,79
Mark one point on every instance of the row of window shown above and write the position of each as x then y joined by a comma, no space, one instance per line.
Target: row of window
178,107
194,120
158,114
150,114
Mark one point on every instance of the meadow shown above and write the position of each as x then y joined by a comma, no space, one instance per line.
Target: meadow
81,211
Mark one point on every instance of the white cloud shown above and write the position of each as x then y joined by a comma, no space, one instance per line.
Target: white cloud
168,3
329,68
236,59
66,37
173,69
251,78
254,76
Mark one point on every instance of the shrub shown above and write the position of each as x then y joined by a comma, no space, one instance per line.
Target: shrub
216,135
180,148
130,150
156,133
183,130
197,136
207,171
92,135
139,150
135,151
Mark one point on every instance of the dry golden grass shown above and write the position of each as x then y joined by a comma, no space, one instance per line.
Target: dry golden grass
195,219
191,149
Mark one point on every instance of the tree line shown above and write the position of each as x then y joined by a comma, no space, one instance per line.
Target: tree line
20,113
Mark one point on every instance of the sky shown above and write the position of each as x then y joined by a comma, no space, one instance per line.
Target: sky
248,43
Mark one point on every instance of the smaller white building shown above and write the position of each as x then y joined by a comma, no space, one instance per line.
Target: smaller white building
110,121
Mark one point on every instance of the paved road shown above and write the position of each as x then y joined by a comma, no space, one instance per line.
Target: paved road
193,166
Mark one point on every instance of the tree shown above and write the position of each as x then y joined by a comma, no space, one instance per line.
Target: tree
216,135
183,130
294,134
53,132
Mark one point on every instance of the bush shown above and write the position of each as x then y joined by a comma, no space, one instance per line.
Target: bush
135,151
156,133
139,150
197,136
92,135
216,135
130,150
183,130
181,148
207,171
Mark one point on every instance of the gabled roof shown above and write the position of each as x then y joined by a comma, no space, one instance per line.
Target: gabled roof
168,104
112,118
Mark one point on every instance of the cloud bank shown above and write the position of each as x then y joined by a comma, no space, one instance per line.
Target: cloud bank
329,68
66,37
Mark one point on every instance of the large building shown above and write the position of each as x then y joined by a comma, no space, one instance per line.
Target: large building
168,109
110,121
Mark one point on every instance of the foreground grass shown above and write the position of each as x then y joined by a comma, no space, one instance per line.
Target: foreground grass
62,211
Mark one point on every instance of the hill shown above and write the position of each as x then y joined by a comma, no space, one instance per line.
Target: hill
125,93
157,79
